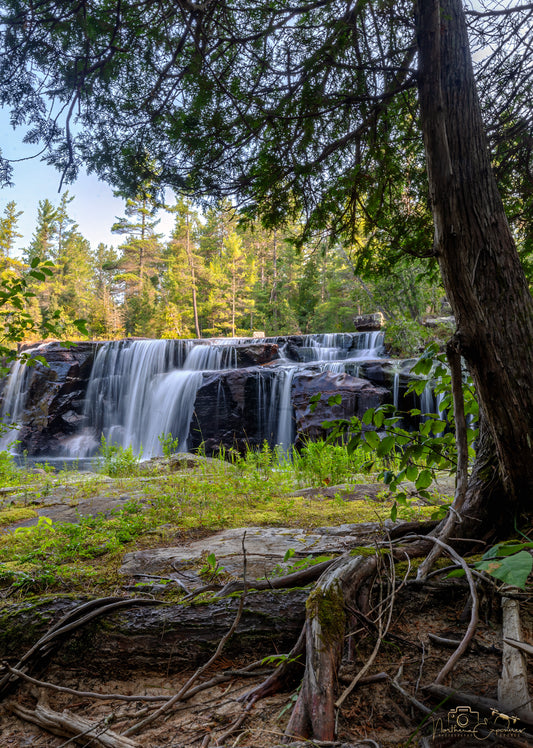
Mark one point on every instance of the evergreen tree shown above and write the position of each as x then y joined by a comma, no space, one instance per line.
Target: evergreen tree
44,236
140,262
8,229
184,271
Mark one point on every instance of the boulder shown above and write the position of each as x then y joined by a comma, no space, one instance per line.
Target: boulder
368,322
55,397
357,395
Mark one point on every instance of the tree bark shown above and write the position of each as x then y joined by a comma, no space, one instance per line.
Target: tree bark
169,636
480,267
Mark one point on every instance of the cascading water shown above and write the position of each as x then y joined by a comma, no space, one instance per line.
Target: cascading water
139,390
13,401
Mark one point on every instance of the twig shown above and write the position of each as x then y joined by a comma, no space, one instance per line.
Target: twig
382,630
134,729
474,617
235,725
417,704
221,678
66,724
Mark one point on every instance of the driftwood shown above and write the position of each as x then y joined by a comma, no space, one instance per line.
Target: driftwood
65,724
165,635
512,686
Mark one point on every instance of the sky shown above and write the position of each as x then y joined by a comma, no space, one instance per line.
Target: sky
94,207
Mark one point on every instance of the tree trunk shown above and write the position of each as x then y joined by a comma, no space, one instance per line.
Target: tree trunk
166,636
480,267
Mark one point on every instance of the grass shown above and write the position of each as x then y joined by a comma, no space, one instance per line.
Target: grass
85,556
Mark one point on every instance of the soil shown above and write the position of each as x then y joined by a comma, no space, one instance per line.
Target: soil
375,711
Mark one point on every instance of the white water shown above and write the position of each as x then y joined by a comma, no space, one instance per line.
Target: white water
140,390
13,404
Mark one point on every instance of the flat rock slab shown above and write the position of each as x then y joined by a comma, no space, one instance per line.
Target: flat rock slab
265,549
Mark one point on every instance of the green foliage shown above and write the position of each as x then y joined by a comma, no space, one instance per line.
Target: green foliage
9,473
169,444
116,460
510,562
322,463
415,455
405,337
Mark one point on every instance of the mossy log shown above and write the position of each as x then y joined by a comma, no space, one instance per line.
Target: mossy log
169,635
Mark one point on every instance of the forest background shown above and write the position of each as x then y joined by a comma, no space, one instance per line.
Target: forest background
217,275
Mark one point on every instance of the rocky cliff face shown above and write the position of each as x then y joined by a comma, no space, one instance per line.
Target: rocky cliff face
55,397
261,398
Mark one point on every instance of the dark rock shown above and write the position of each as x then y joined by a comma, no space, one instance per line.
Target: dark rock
368,322
256,354
357,395
55,396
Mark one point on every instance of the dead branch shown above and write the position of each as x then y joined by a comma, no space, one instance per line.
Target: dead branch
474,617
74,619
513,686
134,729
248,671
66,725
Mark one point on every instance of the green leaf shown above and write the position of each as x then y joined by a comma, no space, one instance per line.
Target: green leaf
456,573
394,512
372,439
367,416
411,472
424,479
513,570
289,554
335,399
379,417
385,446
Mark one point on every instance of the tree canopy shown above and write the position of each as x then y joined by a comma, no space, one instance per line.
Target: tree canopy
303,107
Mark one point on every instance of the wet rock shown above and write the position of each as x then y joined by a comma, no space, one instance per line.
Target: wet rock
357,395
55,396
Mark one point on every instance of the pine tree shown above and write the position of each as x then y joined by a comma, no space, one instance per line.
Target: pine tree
8,229
185,270
140,262
42,243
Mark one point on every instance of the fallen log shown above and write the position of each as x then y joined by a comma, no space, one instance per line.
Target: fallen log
169,635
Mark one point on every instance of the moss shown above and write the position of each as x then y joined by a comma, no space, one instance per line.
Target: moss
365,550
327,606
13,514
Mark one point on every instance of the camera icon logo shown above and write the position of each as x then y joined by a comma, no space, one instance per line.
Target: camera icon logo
463,718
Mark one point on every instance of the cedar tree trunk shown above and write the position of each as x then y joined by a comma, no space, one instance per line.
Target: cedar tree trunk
480,267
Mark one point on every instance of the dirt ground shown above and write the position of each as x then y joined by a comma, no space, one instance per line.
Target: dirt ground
375,712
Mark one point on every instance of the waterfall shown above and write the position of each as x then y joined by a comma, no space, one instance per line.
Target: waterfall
13,402
141,389
396,389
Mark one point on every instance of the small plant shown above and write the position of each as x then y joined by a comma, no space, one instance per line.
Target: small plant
169,444
8,469
116,460
211,568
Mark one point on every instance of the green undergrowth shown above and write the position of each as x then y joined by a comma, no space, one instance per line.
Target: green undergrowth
158,509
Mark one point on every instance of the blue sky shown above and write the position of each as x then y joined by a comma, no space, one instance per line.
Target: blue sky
94,207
